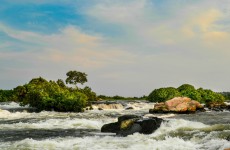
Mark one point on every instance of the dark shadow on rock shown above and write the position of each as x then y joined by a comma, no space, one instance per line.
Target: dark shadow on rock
129,124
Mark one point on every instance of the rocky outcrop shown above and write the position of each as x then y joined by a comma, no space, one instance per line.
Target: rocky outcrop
217,106
177,105
129,124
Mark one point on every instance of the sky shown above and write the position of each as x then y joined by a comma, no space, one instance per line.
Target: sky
127,47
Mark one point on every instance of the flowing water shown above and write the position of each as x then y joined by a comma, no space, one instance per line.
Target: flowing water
23,130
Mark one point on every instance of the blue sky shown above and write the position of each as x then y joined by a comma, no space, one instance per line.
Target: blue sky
126,47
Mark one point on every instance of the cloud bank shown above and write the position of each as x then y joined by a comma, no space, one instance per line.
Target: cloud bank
126,47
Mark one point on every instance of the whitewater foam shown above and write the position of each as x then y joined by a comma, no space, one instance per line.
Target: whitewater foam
4,114
9,105
132,142
173,134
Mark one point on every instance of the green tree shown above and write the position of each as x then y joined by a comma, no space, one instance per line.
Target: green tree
117,97
188,90
6,95
163,94
209,96
89,93
45,95
226,95
186,87
75,77
61,83
20,93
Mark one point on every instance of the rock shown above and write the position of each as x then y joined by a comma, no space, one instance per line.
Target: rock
129,124
127,108
217,106
228,138
177,105
133,129
126,117
111,127
100,109
126,124
150,125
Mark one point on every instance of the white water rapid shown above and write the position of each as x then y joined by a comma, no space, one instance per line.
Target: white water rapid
81,131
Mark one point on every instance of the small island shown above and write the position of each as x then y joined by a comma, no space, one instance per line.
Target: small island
51,95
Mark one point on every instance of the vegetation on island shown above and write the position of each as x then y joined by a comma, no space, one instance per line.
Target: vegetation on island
226,95
186,90
117,97
69,97
53,95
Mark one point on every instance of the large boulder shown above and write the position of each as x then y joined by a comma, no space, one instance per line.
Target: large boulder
129,124
124,123
149,125
111,127
177,105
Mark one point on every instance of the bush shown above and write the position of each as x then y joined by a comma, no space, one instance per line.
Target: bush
209,96
226,95
186,87
89,93
186,90
163,94
6,95
45,95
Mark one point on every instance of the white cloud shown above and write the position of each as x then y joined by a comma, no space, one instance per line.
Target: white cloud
121,12
53,55
188,46
198,24
71,45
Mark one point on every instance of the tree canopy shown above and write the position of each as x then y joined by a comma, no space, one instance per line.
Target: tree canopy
75,77
185,90
51,95
45,95
163,94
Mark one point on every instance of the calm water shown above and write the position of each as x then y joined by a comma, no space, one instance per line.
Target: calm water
21,130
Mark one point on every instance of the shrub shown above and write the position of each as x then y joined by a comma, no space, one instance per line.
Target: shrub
186,90
6,95
163,94
210,96
45,95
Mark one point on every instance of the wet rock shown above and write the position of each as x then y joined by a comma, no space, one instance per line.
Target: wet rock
133,129
127,108
129,124
228,138
177,105
111,127
150,125
217,106
127,117
100,109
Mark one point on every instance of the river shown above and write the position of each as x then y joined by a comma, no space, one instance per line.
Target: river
21,129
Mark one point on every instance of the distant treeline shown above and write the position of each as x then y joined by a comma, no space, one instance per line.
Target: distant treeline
117,97
226,95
